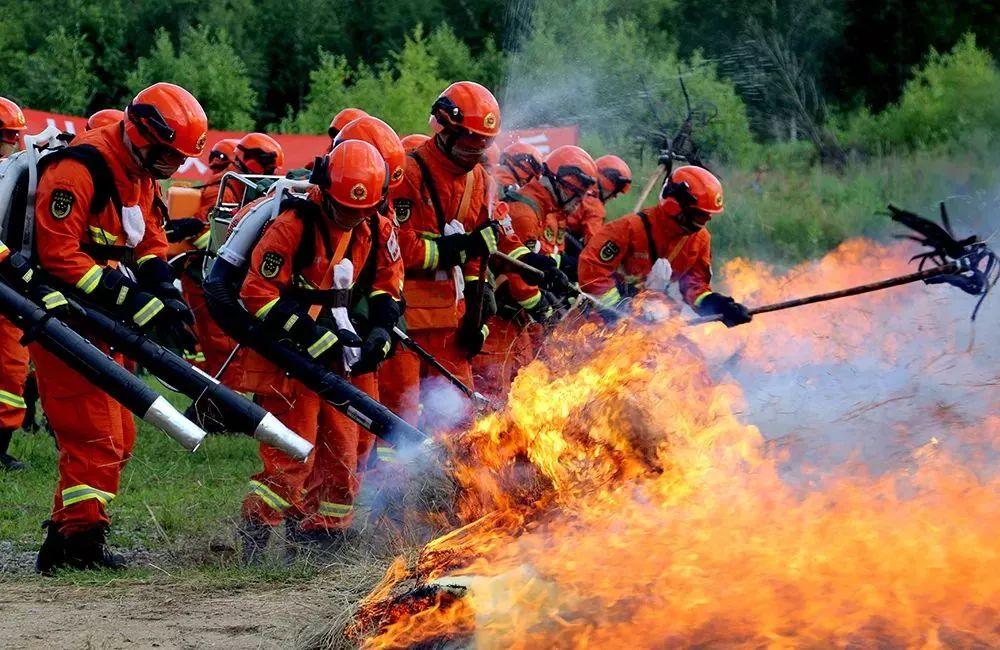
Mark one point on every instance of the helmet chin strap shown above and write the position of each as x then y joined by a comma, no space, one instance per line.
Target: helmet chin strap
554,187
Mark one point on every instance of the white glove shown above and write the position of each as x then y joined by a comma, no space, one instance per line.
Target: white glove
455,227
343,278
659,277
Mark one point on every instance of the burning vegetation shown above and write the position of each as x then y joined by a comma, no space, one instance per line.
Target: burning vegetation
623,499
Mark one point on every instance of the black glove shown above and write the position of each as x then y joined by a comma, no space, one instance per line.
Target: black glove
554,280
374,351
180,229
123,298
545,310
472,335
287,319
157,277
459,248
568,264
472,292
732,312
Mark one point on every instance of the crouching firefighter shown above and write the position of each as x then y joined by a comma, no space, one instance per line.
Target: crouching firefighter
319,257
663,244
97,212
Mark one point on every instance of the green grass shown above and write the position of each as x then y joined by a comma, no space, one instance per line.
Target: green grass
181,507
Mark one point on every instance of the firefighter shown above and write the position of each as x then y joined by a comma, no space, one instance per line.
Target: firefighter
298,259
104,117
342,119
623,252
538,211
614,178
381,136
220,158
254,153
97,207
443,207
520,163
13,355
414,140
491,159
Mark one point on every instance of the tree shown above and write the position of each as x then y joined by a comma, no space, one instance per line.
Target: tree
57,76
208,67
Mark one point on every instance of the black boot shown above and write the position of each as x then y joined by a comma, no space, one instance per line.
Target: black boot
31,400
320,544
7,461
253,541
52,554
88,549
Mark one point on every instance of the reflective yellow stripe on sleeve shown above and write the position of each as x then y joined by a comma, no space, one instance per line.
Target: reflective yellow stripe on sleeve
202,241
90,279
430,254
386,454
518,252
263,311
532,302
102,236
3,250
145,258
697,301
268,496
10,399
610,298
82,492
336,510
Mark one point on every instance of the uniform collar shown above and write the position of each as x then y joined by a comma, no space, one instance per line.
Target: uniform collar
431,153
664,216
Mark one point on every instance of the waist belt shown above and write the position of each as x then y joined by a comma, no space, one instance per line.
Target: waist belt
107,253
322,297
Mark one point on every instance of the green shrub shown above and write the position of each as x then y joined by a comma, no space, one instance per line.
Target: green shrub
951,96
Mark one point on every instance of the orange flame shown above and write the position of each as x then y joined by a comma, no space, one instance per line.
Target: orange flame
621,500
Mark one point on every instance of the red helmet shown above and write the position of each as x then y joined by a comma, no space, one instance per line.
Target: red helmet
492,156
342,119
167,115
104,117
223,153
572,169
613,177
414,140
694,187
381,136
523,160
354,175
466,106
11,121
259,153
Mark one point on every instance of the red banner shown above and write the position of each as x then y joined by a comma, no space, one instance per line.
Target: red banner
299,149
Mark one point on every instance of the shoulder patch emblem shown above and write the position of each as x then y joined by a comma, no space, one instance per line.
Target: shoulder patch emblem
609,251
61,204
392,245
403,209
271,265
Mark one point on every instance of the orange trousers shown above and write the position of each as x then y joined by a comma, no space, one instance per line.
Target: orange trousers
414,390
215,346
509,348
95,436
13,374
320,491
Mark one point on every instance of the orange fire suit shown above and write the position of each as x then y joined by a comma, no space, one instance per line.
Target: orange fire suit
622,248
587,219
321,490
215,346
538,222
13,370
94,433
433,309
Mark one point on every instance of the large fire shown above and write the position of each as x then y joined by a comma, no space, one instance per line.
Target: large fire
623,499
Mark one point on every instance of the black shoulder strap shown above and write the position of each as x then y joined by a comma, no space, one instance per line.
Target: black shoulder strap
653,253
104,182
431,189
514,195
313,220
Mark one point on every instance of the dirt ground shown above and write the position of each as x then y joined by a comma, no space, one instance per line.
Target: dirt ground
155,616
